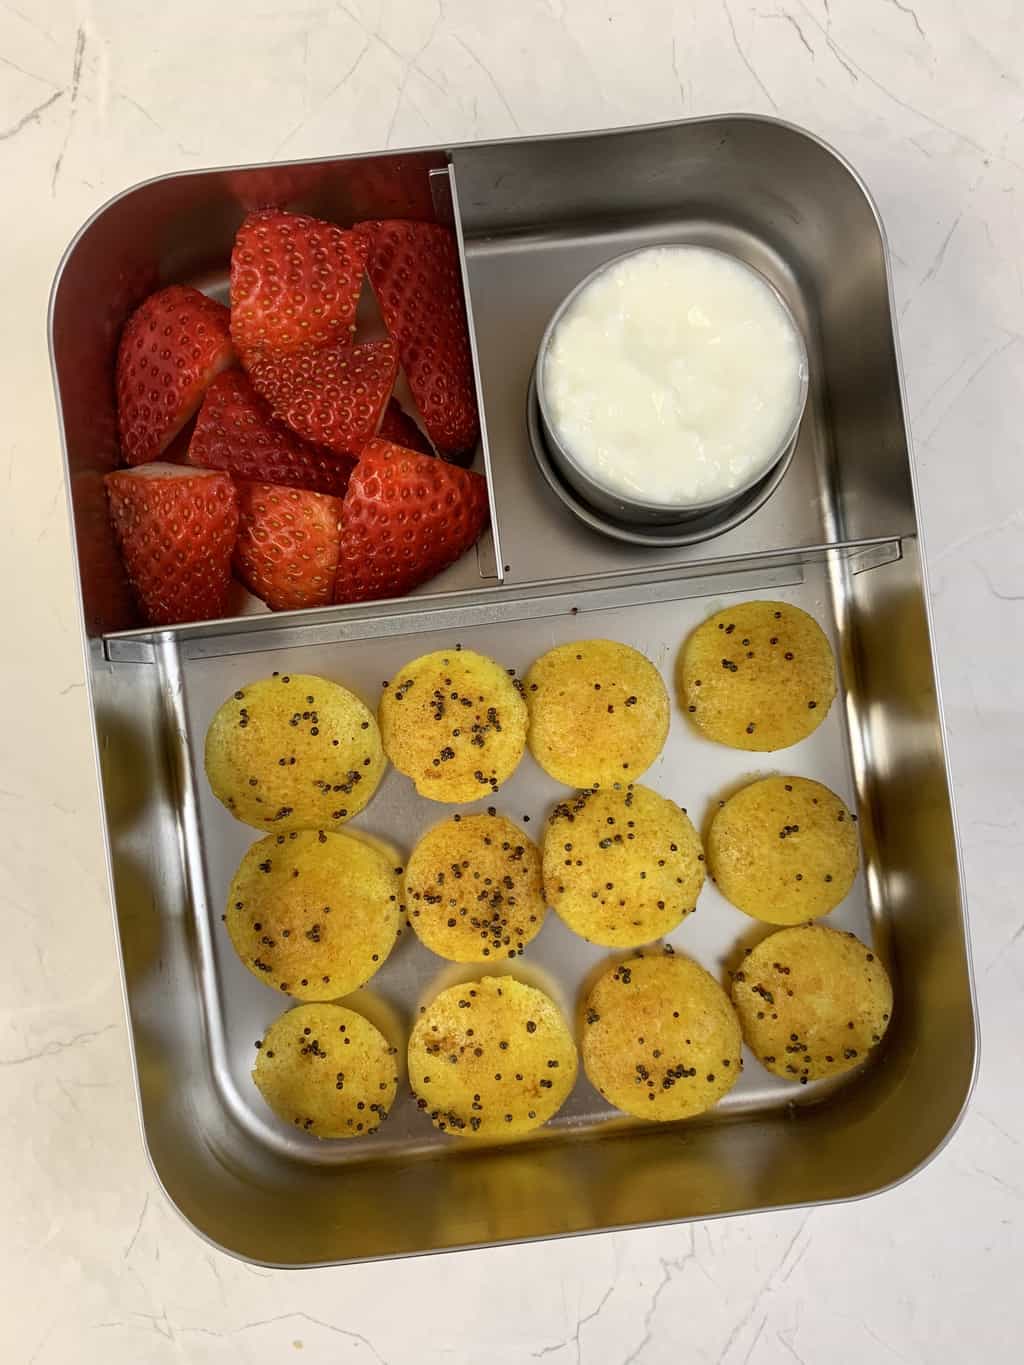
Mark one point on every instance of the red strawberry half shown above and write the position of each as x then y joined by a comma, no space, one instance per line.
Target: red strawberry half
288,541
331,395
295,281
405,518
398,427
177,529
172,348
414,270
236,430
107,596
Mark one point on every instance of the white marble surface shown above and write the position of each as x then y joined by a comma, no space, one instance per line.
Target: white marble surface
927,99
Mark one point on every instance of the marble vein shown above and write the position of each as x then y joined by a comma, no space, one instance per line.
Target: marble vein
33,24
23,71
788,1346
581,1322
316,1322
745,59
906,9
138,1228
460,42
669,1266
58,1045
33,116
76,81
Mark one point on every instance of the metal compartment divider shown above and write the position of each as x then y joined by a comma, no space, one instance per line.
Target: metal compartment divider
754,572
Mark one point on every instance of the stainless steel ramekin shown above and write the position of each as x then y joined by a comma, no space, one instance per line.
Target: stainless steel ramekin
622,510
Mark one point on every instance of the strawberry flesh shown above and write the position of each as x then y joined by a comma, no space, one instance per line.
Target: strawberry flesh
172,348
295,282
405,518
236,430
398,427
288,544
177,529
332,396
414,270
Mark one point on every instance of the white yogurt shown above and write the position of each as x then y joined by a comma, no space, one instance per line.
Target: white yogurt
675,376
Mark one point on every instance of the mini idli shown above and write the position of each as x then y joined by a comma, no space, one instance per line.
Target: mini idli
599,713
455,723
327,1070
758,675
294,751
783,849
660,1038
314,914
474,890
812,1002
492,1058
622,865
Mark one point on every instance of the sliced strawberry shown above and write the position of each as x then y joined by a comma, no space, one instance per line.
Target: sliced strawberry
288,542
414,270
398,427
295,281
107,597
331,395
236,430
172,348
406,517
177,529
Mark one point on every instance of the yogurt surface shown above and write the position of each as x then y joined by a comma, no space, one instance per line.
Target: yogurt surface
674,376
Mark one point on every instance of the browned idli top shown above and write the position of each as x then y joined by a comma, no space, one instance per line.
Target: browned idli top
294,751
758,675
455,723
599,713
492,1058
622,865
313,914
327,1070
783,849
661,1040
473,889
812,1002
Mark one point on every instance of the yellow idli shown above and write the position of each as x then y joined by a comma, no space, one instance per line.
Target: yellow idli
622,866
491,1059
599,713
294,751
327,1070
455,722
313,914
783,849
660,1038
473,889
812,1001
758,675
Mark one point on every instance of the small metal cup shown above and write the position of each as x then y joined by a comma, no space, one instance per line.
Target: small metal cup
624,511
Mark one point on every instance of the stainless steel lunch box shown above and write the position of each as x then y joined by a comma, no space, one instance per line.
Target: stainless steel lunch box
838,536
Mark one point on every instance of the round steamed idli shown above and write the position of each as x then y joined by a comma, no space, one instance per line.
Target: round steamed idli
812,1002
327,1070
313,914
661,1039
599,713
759,675
473,889
455,723
622,866
492,1058
294,752
783,849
